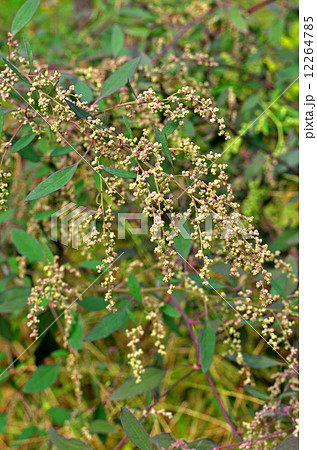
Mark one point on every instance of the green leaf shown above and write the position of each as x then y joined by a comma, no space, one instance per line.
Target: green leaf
81,114
119,78
170,311
42,378
170,127
107,325
207,347
256,392
135,431
237,19
276,289
189,127
5,329
93,303
255,361
117,40
202,444
23,142
102,427
26,434
183,244
3,420
66,444
59,415
135,288
163,440
82,88
76,332
150,379
119,173
127,125
212,284
162,140
59,151
27,245
53,183
276,31
91,264
24,15
16,71
47,252
131,89
28,51
14,298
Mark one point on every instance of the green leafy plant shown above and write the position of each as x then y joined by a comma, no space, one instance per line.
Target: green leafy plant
180,332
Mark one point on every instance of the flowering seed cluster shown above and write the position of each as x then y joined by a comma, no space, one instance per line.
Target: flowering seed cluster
4,189
174,183
53,291
135,352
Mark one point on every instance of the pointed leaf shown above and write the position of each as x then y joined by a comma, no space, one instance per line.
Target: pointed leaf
163,440
182,245
127,125
202,444
117,40
119,78
23,142
42,378
255,361
119,172
170,311
59,415
207,347
27,245
82,88
53,183
24,15
256,392
59,151
237,19
107,325
170,126
66,444
76,332
162,140
81,114
93,303
28,51
150,379
102,427
135,288
135,431
14,298
16,71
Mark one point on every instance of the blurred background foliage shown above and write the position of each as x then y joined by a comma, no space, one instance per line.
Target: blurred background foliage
256,52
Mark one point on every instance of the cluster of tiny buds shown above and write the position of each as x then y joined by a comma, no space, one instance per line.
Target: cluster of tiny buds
3,189
134,356
161,412
158,332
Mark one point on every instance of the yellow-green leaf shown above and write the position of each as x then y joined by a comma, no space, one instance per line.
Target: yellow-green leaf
24,15
53,183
